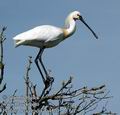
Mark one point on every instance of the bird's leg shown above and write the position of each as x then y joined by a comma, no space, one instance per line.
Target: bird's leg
36,62
40,59
49,80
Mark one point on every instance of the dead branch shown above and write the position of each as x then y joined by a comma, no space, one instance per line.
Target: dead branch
66,100
87,99
2,39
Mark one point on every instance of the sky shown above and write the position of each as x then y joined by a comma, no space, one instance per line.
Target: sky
91,62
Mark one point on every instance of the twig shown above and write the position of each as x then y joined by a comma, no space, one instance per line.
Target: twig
2,39
27,83
12,101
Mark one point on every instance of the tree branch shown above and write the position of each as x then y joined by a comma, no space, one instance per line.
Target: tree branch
2,39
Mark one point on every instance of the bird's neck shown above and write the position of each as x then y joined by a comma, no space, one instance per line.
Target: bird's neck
69,27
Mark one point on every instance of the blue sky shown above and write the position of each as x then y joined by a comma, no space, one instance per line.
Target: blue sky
92,62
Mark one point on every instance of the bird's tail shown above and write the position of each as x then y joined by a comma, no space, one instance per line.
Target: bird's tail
18,42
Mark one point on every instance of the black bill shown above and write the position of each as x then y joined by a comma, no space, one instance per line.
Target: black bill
81,18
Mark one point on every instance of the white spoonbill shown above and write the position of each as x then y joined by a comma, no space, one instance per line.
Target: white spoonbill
47,36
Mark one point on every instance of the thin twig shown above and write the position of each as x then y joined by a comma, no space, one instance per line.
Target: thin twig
2,39
27,83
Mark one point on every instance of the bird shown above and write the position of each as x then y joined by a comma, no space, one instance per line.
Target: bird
48,36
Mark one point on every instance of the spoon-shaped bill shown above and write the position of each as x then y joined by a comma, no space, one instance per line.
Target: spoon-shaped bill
81,18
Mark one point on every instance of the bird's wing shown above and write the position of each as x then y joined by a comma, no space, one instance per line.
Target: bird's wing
40,33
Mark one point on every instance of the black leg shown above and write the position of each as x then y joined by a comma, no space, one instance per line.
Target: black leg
49,80
36,62
40,59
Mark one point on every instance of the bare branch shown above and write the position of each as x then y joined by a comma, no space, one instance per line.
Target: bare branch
27,83
2,39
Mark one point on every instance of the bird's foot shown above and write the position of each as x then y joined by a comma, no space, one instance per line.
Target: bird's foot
48,82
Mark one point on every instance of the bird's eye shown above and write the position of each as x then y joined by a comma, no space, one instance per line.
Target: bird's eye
78,14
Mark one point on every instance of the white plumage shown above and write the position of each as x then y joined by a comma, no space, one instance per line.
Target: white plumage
47,36
40,36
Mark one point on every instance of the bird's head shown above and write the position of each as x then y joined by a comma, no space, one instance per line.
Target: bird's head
76,15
